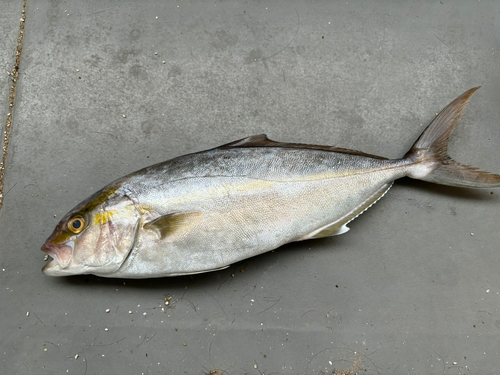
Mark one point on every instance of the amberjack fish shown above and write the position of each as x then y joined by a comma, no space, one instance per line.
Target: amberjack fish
204,211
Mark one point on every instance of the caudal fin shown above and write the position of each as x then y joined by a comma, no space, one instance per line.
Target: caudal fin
429,153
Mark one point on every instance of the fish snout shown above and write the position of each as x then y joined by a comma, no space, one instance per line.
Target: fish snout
61,253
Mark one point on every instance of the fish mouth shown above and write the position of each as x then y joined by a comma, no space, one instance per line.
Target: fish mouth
54,264
61,255
49,250
52,269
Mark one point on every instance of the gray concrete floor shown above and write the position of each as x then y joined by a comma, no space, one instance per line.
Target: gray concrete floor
9,27
409,290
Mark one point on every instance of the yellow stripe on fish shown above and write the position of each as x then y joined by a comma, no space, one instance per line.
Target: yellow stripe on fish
221,190
100,218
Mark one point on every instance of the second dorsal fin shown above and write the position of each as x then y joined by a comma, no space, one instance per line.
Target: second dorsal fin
261,140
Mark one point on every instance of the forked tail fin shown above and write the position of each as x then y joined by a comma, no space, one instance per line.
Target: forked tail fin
429,152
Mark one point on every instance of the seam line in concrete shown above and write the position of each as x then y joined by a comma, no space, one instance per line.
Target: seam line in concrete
14,75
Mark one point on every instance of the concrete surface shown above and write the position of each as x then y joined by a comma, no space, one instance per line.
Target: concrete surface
409,290
9,28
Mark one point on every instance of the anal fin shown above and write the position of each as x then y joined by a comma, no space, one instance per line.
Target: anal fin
197,272
340,226
333,230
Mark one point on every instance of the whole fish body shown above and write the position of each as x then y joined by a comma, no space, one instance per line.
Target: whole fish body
204,211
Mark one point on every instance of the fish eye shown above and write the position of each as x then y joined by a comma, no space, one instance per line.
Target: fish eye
76,224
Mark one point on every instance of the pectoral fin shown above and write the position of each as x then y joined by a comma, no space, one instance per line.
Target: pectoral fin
173,227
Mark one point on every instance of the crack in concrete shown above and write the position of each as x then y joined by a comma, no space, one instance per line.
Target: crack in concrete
14,75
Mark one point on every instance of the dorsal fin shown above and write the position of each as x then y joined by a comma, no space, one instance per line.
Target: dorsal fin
261,140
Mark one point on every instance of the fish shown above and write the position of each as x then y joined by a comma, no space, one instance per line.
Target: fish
207,210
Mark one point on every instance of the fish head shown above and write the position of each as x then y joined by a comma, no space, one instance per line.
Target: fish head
95,237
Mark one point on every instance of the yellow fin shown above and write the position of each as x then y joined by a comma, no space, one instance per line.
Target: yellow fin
173,227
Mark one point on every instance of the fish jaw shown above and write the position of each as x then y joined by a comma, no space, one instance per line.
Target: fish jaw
61,254
54,269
